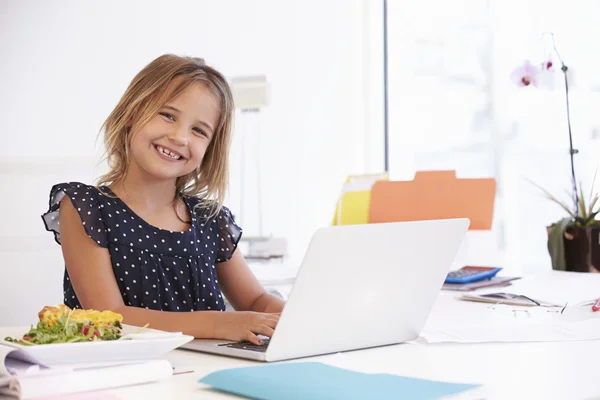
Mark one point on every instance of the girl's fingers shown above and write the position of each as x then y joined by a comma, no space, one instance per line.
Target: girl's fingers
252,338
265,330
271,321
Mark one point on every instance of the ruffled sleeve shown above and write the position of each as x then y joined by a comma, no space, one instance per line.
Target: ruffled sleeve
86,202
229,235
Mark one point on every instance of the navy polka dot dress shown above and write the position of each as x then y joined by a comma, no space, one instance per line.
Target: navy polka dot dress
155,268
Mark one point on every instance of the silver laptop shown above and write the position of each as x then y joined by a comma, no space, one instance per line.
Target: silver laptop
359,286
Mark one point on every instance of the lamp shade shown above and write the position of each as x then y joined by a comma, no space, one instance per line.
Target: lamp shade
249,92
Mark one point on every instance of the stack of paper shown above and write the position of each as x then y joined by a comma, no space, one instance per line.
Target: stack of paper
25,379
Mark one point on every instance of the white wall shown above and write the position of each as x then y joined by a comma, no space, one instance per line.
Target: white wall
66,63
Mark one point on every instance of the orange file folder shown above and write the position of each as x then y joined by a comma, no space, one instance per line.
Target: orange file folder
434,195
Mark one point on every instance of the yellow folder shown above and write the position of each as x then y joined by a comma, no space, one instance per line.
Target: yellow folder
355,199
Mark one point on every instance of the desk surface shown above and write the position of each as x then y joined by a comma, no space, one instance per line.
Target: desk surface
565,370
550,370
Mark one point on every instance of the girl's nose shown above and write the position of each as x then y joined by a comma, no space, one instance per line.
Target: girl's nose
178,137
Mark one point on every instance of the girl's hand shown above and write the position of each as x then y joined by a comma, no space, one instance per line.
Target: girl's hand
245,325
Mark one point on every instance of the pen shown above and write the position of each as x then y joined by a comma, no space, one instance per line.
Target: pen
596,305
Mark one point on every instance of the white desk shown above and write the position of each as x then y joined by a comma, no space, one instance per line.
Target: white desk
509,371
552,370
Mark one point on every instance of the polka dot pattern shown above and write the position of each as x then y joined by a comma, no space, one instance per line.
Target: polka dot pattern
155,268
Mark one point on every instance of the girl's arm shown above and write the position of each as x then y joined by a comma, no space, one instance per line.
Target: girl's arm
243,290
90,271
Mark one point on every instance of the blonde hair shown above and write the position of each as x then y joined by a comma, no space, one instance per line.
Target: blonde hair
155,85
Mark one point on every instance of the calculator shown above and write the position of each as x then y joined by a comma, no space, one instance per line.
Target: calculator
471,274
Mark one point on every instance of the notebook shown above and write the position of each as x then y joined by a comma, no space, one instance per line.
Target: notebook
24,380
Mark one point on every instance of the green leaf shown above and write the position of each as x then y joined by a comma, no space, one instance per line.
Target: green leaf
591,221
593,184
556,244
582,209
551,197
593,203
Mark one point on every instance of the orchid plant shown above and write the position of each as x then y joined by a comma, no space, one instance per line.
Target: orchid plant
581,213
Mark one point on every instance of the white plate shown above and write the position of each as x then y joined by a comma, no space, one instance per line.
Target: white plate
149,344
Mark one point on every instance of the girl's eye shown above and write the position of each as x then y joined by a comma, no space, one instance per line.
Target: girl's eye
200,131
168,116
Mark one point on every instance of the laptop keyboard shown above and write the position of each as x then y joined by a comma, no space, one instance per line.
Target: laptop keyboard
245,345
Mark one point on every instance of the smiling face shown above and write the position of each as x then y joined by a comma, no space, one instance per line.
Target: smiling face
174,141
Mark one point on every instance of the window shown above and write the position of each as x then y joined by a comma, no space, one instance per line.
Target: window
452,105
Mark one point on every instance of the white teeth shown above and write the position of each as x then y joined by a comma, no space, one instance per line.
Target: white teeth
168,153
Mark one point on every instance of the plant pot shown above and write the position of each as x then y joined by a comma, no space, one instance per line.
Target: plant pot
581,249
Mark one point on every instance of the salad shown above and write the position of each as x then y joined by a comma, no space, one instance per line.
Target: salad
61,324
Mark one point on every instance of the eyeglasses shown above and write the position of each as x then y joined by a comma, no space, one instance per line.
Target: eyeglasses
506,297
516,312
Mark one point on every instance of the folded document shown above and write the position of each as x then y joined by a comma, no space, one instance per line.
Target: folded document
316,381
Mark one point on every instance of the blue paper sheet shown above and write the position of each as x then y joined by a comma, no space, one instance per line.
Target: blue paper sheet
316,381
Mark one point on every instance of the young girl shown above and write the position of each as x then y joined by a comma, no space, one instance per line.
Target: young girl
153,240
